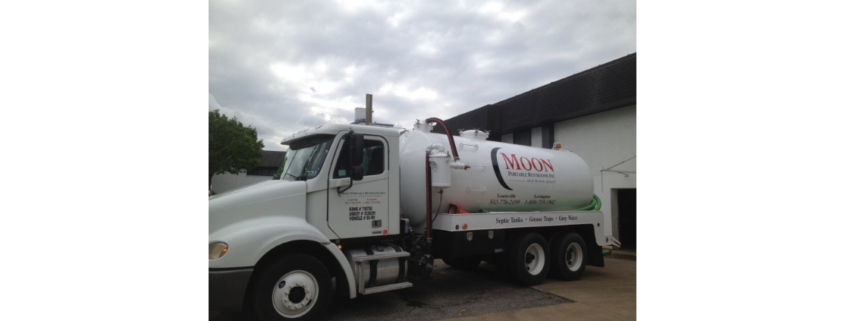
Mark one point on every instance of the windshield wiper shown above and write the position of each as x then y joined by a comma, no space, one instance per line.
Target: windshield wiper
308,162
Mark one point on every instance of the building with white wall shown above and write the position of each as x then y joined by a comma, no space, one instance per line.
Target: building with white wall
265,169
592,113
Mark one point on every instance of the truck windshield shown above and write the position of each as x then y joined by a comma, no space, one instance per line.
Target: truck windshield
305,158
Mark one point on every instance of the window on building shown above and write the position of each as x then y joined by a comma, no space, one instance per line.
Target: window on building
522,137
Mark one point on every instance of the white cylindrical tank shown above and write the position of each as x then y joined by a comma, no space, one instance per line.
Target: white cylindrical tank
502,177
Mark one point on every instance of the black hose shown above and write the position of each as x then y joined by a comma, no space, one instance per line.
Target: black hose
427,198
448,134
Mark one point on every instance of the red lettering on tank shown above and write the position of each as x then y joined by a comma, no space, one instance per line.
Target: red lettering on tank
527,164
548,163
522,161
509,162
534,162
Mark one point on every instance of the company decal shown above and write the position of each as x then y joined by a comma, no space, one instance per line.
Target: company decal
361,213
510,199
362,205
517,220
365,198
522,169
496,168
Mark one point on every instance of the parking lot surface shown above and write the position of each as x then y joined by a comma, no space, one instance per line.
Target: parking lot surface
607,293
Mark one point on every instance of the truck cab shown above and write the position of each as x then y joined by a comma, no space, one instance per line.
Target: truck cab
339,206
315,203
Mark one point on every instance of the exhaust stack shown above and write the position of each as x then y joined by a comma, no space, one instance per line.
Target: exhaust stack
369,112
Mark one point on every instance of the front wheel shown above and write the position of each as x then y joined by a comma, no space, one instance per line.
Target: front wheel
569,256
295,287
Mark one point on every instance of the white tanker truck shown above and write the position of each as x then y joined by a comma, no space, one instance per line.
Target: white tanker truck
370,208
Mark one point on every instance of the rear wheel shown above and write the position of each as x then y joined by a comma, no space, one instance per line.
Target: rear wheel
528,259
295,287
569,256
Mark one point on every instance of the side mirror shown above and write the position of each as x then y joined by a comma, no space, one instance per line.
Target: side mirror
357,172
356,149
356,156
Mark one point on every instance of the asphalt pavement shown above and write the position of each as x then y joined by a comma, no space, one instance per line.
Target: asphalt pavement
607,293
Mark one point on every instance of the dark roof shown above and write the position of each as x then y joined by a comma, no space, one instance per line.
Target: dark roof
484,118
608,86
271,158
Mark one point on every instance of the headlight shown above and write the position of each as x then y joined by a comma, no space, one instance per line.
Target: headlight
216,250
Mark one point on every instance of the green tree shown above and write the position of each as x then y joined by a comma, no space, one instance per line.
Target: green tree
231,146
278,174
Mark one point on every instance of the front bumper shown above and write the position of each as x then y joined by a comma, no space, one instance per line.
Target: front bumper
227,288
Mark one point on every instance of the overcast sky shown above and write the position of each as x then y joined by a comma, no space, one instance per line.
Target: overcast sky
283,66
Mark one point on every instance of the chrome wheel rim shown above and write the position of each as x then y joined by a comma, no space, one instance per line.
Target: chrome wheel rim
574,256
294,293
535,259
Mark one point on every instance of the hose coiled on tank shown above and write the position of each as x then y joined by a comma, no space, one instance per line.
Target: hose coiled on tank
595,205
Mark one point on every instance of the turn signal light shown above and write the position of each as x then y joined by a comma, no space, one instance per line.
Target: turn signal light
217,250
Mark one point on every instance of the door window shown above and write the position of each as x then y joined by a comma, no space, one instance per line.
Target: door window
374,159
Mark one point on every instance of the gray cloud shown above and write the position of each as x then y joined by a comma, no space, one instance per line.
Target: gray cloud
418,59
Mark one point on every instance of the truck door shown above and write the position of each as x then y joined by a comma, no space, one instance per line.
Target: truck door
362,209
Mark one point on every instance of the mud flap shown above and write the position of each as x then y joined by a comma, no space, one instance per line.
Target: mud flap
595,256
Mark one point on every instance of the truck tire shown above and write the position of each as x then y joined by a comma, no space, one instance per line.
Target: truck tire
464,263
294,287
569,256
528,259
